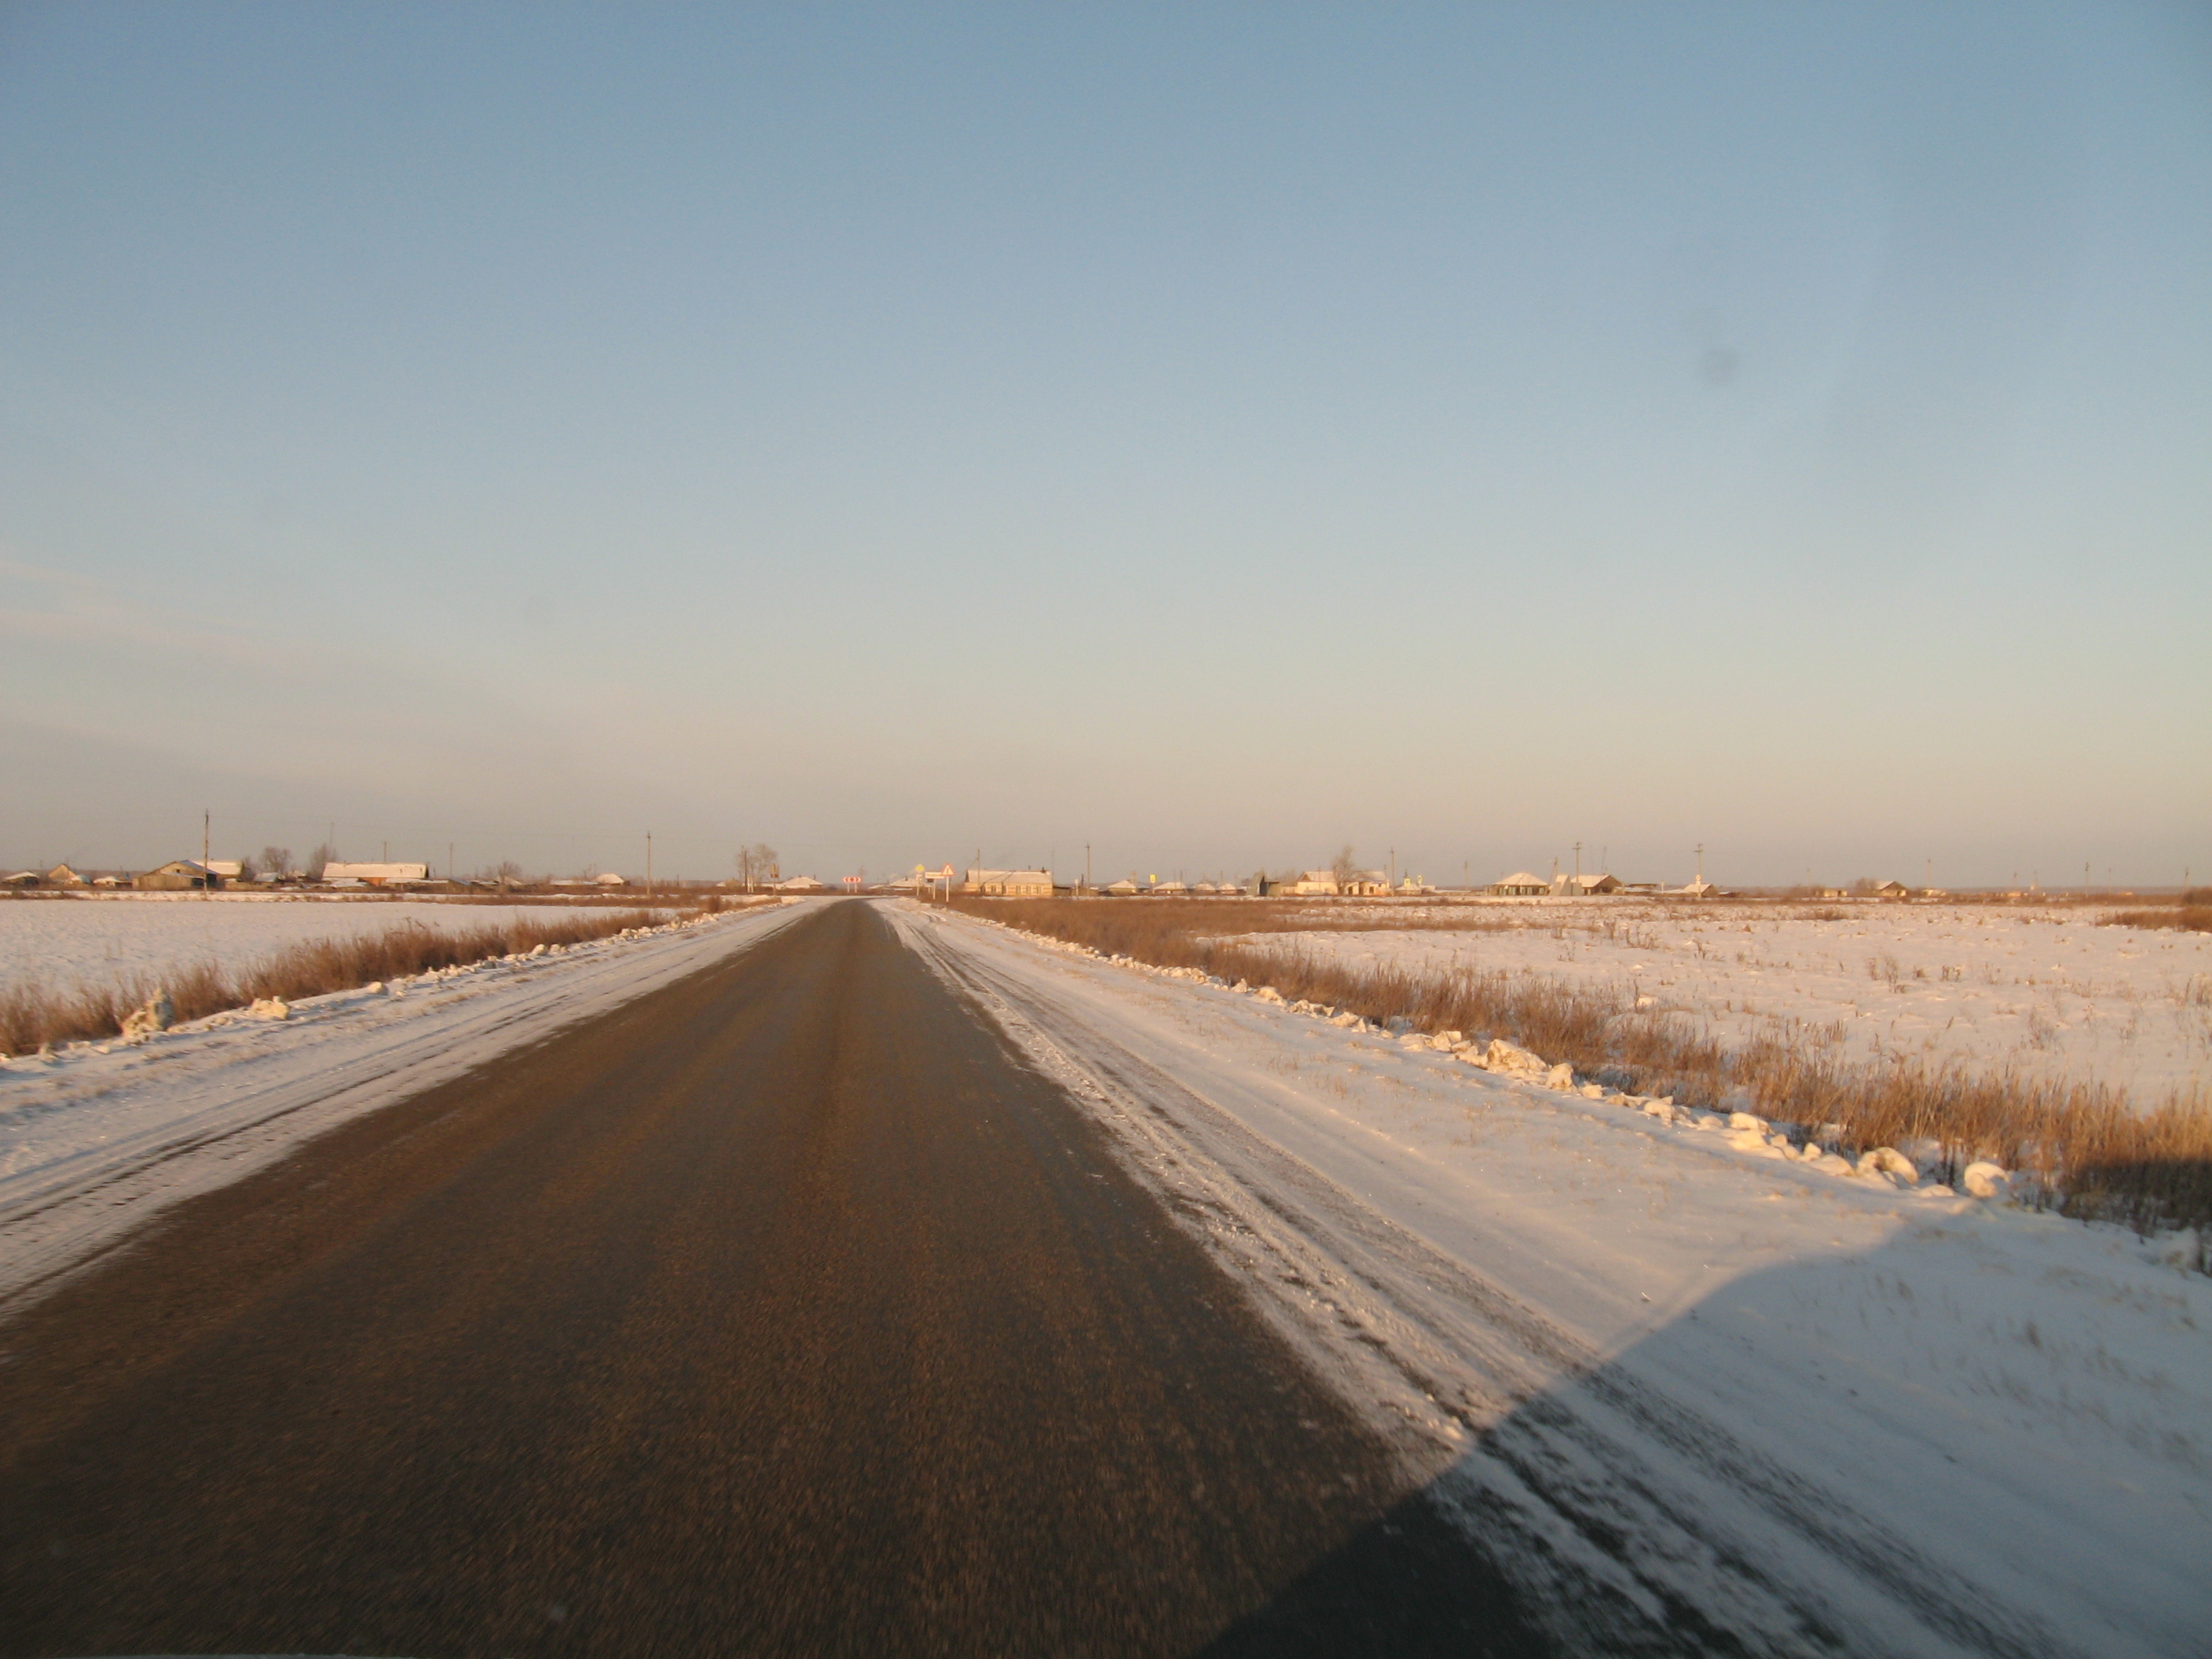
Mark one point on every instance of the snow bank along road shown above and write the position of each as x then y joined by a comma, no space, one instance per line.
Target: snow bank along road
974,1295
97,1138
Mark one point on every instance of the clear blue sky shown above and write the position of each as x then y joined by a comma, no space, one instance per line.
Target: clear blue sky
1211,433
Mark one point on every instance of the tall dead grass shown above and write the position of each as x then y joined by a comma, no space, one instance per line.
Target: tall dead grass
2190,918
2093,1151
33,1015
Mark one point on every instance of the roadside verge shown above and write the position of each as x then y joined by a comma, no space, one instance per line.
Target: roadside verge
97,1138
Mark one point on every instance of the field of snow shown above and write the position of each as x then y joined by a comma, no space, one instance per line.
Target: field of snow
2044,990
60,943
1668,1376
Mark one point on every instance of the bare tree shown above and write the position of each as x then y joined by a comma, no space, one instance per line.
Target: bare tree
1344,867
275,860
319,859
508,873
756,863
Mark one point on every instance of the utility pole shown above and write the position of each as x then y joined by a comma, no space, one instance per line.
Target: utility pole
648,864
1701,869
1578,864
1087,866
1392,877
207,876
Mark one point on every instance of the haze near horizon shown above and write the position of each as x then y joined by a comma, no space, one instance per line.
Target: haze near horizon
1210,435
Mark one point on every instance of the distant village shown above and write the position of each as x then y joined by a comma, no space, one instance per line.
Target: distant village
214,875
335,875
1334,883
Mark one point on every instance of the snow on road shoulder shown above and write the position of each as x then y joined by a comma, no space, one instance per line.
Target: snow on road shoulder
100,1136
1672,1369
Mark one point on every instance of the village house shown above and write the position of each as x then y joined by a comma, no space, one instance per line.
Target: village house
1312,883
1892,890
178,875
1587,886
62,876
1009,884
1520,884
1121,888
800,885
376,875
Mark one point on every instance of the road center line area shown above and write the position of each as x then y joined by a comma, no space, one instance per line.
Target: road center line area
789,1307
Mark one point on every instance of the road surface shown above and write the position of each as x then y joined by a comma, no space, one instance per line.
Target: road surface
785,1310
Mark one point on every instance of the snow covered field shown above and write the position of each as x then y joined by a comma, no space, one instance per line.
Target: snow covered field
1679,1382
97,1139
59,943
2044,990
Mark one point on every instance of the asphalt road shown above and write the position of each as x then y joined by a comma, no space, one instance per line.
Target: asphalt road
783,1310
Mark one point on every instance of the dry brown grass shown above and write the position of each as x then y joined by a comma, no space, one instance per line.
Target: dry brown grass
32,1015
2093,1150
2190,918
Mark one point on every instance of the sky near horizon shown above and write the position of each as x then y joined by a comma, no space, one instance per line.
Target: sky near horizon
1214,435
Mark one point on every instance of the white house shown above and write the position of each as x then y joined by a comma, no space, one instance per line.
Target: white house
1121,888
1520,884
376,875
62,876
1311,884
1585,886
800,884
